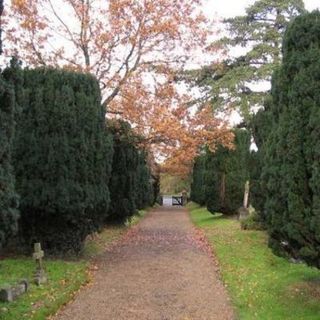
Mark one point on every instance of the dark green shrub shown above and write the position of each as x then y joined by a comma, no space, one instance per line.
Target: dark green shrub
131,184
144,192
62,159
219,178
198,192
8,196
290,154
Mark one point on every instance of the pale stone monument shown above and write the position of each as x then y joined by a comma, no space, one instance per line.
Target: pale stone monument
38,255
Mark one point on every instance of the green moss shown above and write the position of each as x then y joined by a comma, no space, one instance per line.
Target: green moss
262,285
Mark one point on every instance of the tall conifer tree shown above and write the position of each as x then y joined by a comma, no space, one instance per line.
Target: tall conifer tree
62,158
291,163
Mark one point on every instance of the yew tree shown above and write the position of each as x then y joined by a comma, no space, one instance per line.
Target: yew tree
289,146
62,159
135,49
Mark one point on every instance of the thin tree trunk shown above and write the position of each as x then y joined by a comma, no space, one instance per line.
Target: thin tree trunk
223,190
1,11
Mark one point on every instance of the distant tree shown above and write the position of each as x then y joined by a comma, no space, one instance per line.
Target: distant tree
290,157
144,185
131,185
261,125
198,186
232,84
219,177
171,184
227,174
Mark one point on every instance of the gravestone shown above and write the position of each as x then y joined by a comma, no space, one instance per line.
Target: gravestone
244,211
38,255
11,293
184,198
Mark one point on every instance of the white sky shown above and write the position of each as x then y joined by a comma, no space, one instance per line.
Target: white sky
231,8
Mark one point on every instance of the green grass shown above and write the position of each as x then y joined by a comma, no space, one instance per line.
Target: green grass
65,277
262,286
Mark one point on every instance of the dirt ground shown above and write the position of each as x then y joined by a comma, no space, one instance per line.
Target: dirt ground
160,270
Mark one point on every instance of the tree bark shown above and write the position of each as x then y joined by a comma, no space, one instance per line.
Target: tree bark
223,190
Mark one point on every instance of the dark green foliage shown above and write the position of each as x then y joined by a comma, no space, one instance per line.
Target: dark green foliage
62,159
144,190
155,176
260,31
219,178
290,156
198,192
8,197
260,126
232,172
131,184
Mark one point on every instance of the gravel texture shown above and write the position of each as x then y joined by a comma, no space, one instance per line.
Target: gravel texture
162,269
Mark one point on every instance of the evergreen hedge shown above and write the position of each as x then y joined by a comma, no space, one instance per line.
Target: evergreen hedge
62,159
290,154
131,183
198,192
8,196
63,155
219,178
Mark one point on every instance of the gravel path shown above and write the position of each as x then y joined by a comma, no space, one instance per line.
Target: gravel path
161,270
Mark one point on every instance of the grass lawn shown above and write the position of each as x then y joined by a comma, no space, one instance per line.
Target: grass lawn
65,277
262,285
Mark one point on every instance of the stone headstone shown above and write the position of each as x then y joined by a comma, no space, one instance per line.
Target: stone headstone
11,293
184,198
246,195
243,213
40,274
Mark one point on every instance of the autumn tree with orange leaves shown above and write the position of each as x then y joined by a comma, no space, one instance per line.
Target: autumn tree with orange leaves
134,48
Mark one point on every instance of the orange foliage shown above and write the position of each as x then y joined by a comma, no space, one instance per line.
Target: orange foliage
134,48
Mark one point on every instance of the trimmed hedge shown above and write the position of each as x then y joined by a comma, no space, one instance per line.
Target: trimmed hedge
131,183
62,159
8,197
219,178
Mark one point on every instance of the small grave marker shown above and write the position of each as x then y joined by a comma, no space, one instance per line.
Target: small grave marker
11,293
38,255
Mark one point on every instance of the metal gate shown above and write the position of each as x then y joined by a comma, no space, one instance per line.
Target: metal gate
177,201
169,201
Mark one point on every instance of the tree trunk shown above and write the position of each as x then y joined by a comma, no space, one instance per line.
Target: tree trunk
223,190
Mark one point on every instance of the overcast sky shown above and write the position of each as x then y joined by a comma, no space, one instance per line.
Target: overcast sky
231,8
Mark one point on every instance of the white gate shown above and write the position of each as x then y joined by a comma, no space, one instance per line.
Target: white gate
167,201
